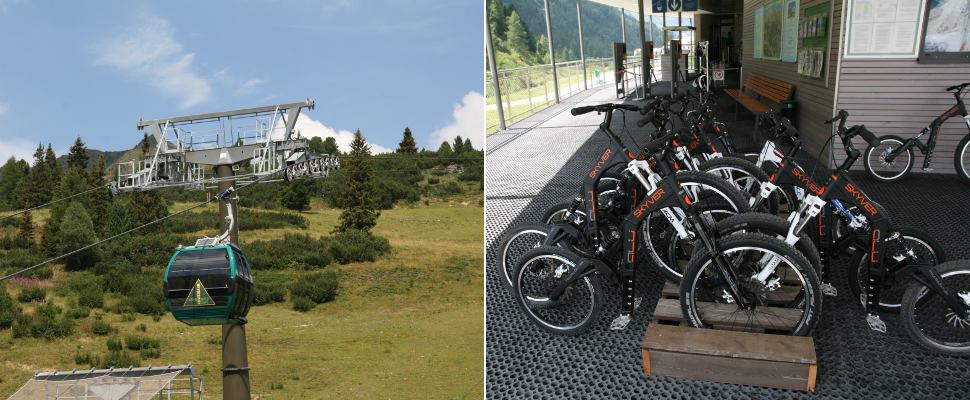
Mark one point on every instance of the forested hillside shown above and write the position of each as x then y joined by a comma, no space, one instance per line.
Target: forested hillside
519,30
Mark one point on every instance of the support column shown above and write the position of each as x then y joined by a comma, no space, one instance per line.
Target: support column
495,84
582,53
644,66
623,24
235,363
552,51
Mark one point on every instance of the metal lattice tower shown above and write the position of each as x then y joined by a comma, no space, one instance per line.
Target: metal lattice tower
188,147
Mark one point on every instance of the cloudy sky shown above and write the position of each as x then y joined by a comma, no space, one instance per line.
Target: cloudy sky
93,68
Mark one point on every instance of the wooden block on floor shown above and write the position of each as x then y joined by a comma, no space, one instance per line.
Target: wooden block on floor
744,358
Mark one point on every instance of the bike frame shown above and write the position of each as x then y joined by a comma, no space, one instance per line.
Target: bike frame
934,130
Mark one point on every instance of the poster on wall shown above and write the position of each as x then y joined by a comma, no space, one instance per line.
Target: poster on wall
813,30
789,45
774,22
759,31
884,28
947,34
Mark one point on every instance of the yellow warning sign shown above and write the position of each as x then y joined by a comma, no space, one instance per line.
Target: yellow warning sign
198,297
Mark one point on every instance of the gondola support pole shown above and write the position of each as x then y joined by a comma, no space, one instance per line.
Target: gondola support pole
235,362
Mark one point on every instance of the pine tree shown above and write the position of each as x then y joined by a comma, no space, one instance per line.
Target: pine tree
78,156
145,146
38,190
121,217
407,144
25,235
496,20
360,212
518,38
12,176
74,181
542,49
444,150
330,146
149,206
468,145
53,167
296,195
75,232
459,146
99,199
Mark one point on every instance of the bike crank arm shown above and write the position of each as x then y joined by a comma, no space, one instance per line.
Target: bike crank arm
931,278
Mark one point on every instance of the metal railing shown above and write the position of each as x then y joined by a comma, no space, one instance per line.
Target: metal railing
528,90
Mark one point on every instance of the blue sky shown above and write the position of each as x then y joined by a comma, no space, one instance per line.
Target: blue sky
92,68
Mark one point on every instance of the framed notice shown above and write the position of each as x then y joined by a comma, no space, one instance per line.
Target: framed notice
884,28
813,34
946,38
759,31
774,28
789,41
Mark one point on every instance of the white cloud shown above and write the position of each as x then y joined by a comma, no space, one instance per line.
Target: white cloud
20,148
469,122
6,4
252,83
4,108
149,51
308,128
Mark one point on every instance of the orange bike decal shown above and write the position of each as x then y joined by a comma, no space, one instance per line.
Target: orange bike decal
861,198
633,245
648,202
806,180
599,164
872,248
594,206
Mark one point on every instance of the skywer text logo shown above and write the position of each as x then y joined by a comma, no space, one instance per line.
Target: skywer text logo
599,165
861,198
648,202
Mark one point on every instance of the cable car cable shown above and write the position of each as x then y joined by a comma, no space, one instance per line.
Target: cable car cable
53,201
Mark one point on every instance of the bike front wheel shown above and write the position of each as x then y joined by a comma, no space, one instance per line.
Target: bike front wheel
880,168
961,159
927,317
788,300
925,250
544,268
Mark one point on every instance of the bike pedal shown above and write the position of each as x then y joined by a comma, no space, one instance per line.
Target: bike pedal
828,289
636,302
620,323
928,169
876,323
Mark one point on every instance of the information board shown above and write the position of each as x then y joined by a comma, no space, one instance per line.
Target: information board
789,41
759,31
674,5
884,28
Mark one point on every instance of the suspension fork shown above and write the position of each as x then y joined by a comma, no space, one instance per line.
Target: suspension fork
724,267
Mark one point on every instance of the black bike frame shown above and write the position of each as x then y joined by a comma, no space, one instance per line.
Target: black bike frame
934,130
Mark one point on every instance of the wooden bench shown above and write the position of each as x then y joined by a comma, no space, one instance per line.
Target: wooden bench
758,92
758,359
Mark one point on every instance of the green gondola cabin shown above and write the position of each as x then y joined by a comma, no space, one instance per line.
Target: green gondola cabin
209,285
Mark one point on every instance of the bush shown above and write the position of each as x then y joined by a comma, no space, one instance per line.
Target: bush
138,342
82,358
75,231
445,189
303,304
114,344
9,310
357,246
21,326
269,289
118,359
292,251
150,353
148,302
318,288
434,180
76,311
118,276
48,326
32,293
91,296
101,328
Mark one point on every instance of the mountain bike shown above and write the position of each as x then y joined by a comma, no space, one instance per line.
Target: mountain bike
561,291
891,159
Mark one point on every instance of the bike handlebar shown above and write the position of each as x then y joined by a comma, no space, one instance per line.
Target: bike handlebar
958,87
866,135
605,107
658,143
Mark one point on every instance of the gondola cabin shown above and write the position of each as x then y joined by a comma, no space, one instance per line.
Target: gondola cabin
209,285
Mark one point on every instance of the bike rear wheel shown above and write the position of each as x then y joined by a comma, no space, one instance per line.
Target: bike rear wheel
929,320
516,242
787,302
927,252
961,159
888,171
540,270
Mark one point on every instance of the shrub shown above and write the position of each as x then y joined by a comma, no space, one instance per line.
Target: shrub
101,328
434,180
9,310
303,304
32,293
269,289
82,358
318,288
292,251
142,328
446,189
148,302
48,326
91,296
21,326
150,353
118,359
356,246
127,317
76,311
75,231
114,344
138,342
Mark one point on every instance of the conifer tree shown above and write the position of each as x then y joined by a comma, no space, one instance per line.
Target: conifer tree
121,217
468,145
407,144
496,20
53,167
361,211
38,190
330,146
78,156
296,195
445,150
99,199
12,176
75,232
517,37
459,146
145,146
25,235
